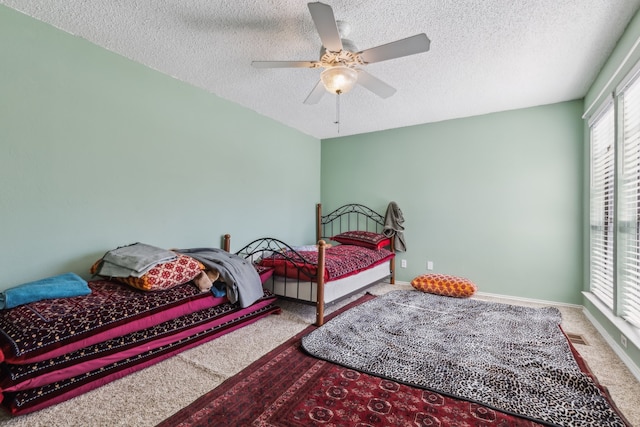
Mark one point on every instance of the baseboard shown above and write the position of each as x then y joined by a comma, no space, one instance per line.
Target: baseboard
512,298
529,300
635,371
400,282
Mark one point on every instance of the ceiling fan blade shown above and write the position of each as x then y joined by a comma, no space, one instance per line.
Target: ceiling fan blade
409,46
285,64
325,23
375,85
316,94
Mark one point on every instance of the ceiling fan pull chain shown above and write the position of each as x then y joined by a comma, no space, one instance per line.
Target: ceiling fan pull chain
338,110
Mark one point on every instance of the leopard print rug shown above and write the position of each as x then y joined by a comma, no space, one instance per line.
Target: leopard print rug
512,358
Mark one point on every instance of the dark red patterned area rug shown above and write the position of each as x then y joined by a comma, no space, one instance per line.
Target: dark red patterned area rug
286,387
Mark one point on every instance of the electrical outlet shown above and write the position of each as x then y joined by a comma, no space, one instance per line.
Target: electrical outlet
403,263
429,265
623,340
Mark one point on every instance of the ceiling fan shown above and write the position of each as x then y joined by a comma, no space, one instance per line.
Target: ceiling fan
342,61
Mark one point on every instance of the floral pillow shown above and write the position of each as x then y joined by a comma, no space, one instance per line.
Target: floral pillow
442,284
163,276
366,239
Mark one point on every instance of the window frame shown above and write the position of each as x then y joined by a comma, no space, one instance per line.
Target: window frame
614,278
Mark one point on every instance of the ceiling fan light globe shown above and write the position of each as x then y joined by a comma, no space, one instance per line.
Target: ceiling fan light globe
339,79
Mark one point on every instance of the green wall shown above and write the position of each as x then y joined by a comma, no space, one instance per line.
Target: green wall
495,198
97,151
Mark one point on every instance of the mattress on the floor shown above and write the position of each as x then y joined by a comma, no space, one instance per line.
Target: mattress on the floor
46,329
30,387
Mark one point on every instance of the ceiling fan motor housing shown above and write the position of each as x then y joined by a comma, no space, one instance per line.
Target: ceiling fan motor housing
348,56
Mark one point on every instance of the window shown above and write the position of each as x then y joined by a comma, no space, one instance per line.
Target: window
615,203
629,204
602,205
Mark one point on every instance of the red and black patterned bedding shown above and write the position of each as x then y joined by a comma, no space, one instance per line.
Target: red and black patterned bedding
49,328
340,261
55,349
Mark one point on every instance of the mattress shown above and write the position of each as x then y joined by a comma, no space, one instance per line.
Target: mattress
72,345
333,290
46,329
340,261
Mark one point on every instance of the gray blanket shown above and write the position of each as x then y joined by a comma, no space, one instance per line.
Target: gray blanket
133,260
242,279
512,358
393,227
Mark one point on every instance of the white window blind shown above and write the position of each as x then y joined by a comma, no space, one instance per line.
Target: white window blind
602,205
629,205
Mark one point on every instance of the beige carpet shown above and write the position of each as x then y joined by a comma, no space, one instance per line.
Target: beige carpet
153,394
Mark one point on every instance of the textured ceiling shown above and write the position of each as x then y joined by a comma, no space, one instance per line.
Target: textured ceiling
486,55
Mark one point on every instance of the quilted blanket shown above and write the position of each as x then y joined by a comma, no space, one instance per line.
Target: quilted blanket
512,358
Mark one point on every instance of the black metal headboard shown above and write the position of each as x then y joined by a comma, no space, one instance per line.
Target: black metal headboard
266,247
349,217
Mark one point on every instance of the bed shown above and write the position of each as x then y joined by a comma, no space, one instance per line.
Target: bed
351,254
54,349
